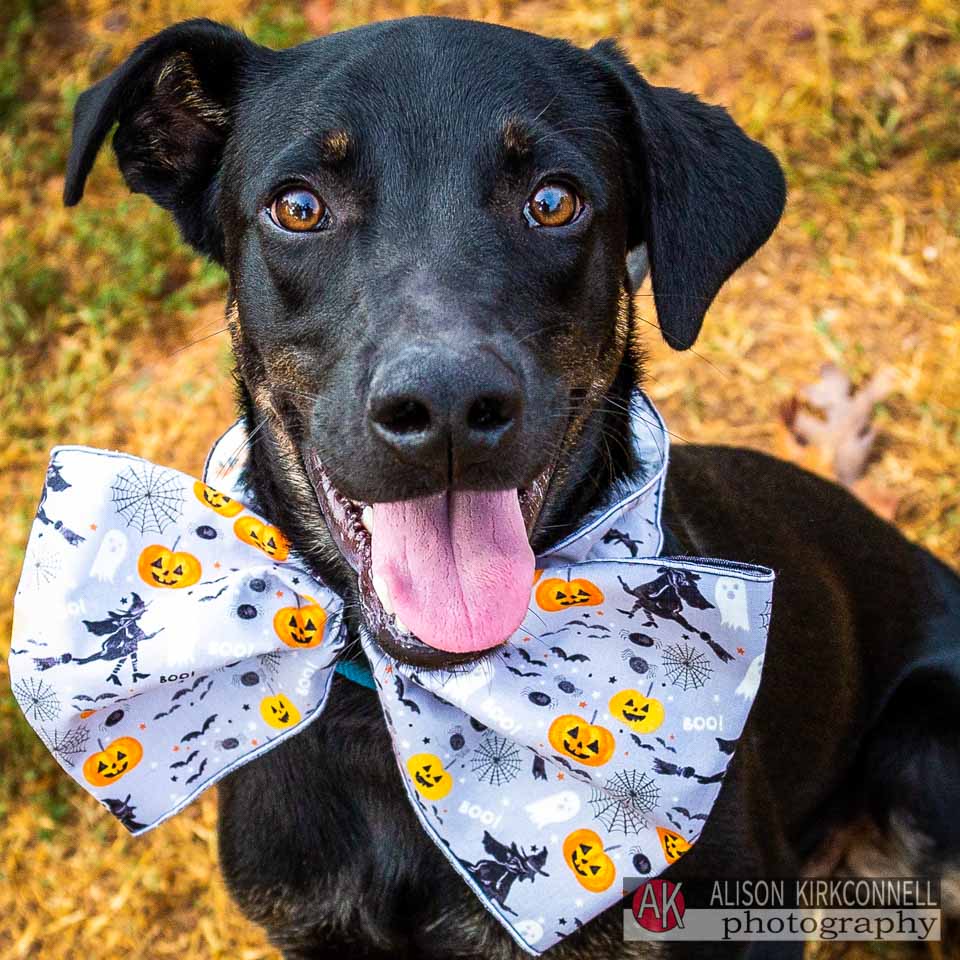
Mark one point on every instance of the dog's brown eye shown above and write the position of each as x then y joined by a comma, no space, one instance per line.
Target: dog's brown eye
553,205
298,210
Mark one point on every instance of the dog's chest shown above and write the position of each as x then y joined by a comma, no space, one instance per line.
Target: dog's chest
321,846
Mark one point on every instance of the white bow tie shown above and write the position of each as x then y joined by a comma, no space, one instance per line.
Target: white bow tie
164,634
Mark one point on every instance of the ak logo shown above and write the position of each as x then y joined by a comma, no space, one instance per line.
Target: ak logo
658,905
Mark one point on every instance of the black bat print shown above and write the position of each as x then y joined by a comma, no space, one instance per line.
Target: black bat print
726,746
124,812
410,704
102,696
185,763
213,596
526,656
183,691
539,768
168,712
521,673
691,816
615,536
663,743
199,773
572,657
640,743
207,724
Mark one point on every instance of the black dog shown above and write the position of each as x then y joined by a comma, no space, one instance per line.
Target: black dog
427,226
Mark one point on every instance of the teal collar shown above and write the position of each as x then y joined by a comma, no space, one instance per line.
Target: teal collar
357,672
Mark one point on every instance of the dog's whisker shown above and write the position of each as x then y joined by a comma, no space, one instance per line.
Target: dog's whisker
193,343
671,296
531,335
312,397
696,353
231,461
563,130
550,103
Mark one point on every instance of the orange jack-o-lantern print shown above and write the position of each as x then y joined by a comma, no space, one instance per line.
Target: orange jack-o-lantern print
587,743
428,776
279,711
263,536
583,854
641,714
215,500
159,566
301,627
112,762
674,844
554,594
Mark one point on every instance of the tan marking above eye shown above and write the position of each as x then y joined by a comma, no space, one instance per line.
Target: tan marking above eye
298,210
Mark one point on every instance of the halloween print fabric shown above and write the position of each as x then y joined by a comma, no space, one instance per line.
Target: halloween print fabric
164,634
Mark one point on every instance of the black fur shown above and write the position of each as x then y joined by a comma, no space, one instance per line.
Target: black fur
425,137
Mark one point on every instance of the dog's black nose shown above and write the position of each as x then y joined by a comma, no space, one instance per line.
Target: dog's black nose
445,409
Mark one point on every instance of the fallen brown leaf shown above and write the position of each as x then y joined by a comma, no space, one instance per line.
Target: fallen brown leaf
829,430
836,420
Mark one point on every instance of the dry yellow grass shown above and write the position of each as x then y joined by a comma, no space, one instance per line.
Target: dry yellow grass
860,100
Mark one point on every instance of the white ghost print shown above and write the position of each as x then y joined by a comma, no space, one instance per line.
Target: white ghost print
557,808
731,600
751,682
113,548
531,930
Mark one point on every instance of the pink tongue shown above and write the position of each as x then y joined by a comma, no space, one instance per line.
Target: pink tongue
458,566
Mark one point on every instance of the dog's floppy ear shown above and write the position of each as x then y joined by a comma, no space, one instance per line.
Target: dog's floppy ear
172,100
703,196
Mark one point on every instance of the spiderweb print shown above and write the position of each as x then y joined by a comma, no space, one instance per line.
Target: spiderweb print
148,498
765,616
625,800
37,699
685,667
496,760
46,565
270,662
65,746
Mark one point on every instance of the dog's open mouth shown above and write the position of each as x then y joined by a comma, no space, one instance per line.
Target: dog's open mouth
443,577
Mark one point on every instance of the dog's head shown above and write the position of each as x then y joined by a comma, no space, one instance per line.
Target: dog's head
432,229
